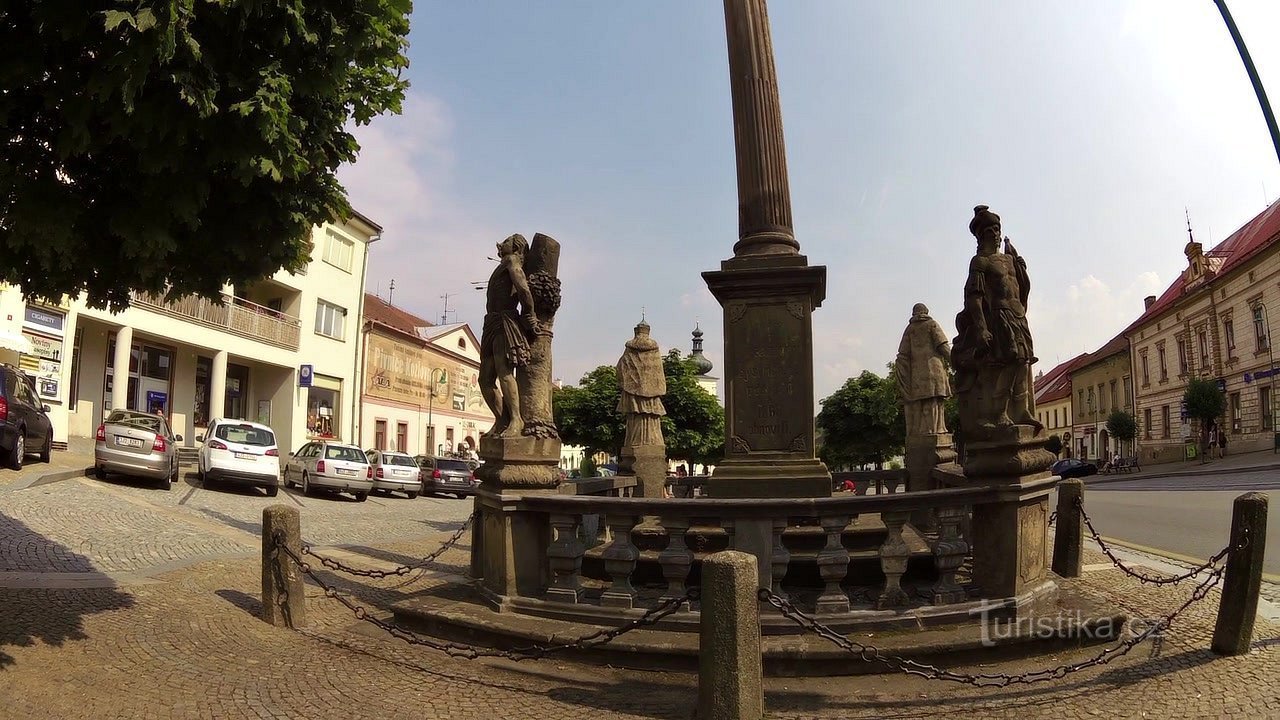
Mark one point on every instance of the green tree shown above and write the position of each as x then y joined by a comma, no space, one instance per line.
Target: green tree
862,422
1054,444
693,427
1123,426
1205,403
178,145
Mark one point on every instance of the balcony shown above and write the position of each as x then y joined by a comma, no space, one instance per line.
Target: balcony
235,315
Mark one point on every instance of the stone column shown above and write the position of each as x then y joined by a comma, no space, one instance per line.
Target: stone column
768,292
1238,606
120,370
218,385
730,667
283,601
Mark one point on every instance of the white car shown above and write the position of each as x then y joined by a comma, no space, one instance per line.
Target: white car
240,452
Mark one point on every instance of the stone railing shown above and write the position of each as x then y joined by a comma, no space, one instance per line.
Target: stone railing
748,524
234,315
616,486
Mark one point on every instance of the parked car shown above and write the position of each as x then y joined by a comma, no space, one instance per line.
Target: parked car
395,472
447,475
332,467
1073,468
24,420
240,452
138,444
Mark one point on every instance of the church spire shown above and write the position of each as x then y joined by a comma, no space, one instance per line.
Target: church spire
700,361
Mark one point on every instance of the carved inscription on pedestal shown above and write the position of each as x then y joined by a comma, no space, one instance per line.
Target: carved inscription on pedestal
771,394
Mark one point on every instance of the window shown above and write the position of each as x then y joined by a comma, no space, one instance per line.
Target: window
331,320
1229,331
1146,423
244,434
1235,412
402,437
338,250
1146,376
1264,408
1164,366
1128,392
1091,405
1115,401
1182,356
1204,350
462,343
1102,400
1080,403
380,434
75,370
1164,421
1259,328
323,404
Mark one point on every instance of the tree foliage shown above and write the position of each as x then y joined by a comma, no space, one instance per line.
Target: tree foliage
181,145
693,427
1122,425
1206,403
862,422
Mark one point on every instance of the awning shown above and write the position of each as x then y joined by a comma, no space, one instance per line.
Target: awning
16,342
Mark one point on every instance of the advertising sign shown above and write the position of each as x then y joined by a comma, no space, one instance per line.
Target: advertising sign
43,319
305,374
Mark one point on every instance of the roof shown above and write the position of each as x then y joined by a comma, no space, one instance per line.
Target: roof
1115,346
1056,384
431,332
380,311
1255,236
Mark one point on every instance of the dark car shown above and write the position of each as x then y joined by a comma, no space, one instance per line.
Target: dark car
1073,468
447,475
24,420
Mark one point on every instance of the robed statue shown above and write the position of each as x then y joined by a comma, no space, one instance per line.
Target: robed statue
643,383
921,372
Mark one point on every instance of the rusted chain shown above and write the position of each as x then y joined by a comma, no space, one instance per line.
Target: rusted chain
342,567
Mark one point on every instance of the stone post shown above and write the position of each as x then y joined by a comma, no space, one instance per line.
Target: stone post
1068,537
768,292
283,603
730,669
1233,632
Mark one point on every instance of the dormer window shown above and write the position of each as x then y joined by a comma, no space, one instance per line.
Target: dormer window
462,343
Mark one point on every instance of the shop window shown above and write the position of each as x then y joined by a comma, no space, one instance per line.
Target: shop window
330,320
204,370
322,411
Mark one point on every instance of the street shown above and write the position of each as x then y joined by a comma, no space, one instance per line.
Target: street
1187,515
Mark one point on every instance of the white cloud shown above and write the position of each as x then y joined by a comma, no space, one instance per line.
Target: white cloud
1085,315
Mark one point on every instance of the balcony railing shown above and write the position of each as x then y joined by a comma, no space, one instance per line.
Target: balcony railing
235,315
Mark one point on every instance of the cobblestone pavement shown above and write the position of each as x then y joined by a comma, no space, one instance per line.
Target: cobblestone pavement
186,642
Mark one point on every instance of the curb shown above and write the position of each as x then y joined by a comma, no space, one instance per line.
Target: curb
1104,479
1176,557
56,477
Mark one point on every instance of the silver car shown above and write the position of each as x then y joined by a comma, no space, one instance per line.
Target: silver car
137,444
330,466
395,472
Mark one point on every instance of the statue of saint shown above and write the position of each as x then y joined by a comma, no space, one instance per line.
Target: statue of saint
643,383
921,371
509,327
992,354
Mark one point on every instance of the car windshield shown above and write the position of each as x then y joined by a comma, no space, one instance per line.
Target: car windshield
246,435
150,423
405,460
453,465
338,452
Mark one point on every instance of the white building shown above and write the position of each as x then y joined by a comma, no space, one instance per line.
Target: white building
421,386
280,351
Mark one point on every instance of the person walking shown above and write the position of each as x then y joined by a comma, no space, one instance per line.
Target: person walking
1222,444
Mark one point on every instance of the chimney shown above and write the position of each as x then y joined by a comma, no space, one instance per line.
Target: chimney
1148,301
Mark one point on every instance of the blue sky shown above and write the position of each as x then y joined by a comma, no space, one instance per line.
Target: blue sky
1088,126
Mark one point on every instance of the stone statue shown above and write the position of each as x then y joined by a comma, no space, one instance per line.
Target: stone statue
643,383
992,353
509,327
921,372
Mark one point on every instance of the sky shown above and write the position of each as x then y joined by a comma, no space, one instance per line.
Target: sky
1092,127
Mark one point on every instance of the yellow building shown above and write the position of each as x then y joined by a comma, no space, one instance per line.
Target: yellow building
1101,384
1053,402
1212,322
280,351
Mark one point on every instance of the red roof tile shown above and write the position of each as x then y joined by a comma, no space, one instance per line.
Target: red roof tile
379,311
1056,384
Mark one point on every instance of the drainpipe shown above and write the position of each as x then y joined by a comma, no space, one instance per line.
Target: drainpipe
357,407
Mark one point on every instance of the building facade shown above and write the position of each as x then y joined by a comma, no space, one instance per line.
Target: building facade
421,389
1101,383
1053,403
1212,322
280,351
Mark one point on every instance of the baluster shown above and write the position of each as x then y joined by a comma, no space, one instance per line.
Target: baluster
603,536
833,565
780,557
564,556
675,559
948,555
620,561
893,559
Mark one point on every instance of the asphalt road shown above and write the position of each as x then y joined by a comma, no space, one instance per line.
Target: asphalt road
1184,515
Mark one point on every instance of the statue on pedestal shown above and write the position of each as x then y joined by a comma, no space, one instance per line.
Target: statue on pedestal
643,383
509,327
992,353
921,372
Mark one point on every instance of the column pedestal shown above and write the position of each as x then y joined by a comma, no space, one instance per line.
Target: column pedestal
924,453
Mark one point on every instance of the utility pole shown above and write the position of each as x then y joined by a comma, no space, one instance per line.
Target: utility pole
444,316
1253,74
391,291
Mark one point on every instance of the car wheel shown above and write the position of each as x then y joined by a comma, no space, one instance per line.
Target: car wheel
306,485
362,496
100,473
166,483
411,494
19,451
273,491
47,453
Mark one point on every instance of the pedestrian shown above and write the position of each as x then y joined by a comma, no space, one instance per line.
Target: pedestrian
1222,445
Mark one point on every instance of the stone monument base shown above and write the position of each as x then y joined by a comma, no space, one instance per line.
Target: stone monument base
756,477
923,454
648,463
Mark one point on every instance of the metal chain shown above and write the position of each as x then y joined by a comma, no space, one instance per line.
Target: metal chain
665,607
340,566
1053,518
871,654
1143,577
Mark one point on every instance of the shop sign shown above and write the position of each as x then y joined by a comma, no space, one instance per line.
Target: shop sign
43,319
1261,375
305,375
44,348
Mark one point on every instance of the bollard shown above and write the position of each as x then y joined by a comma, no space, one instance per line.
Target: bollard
1068,530
730,670
1233,632
282,590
